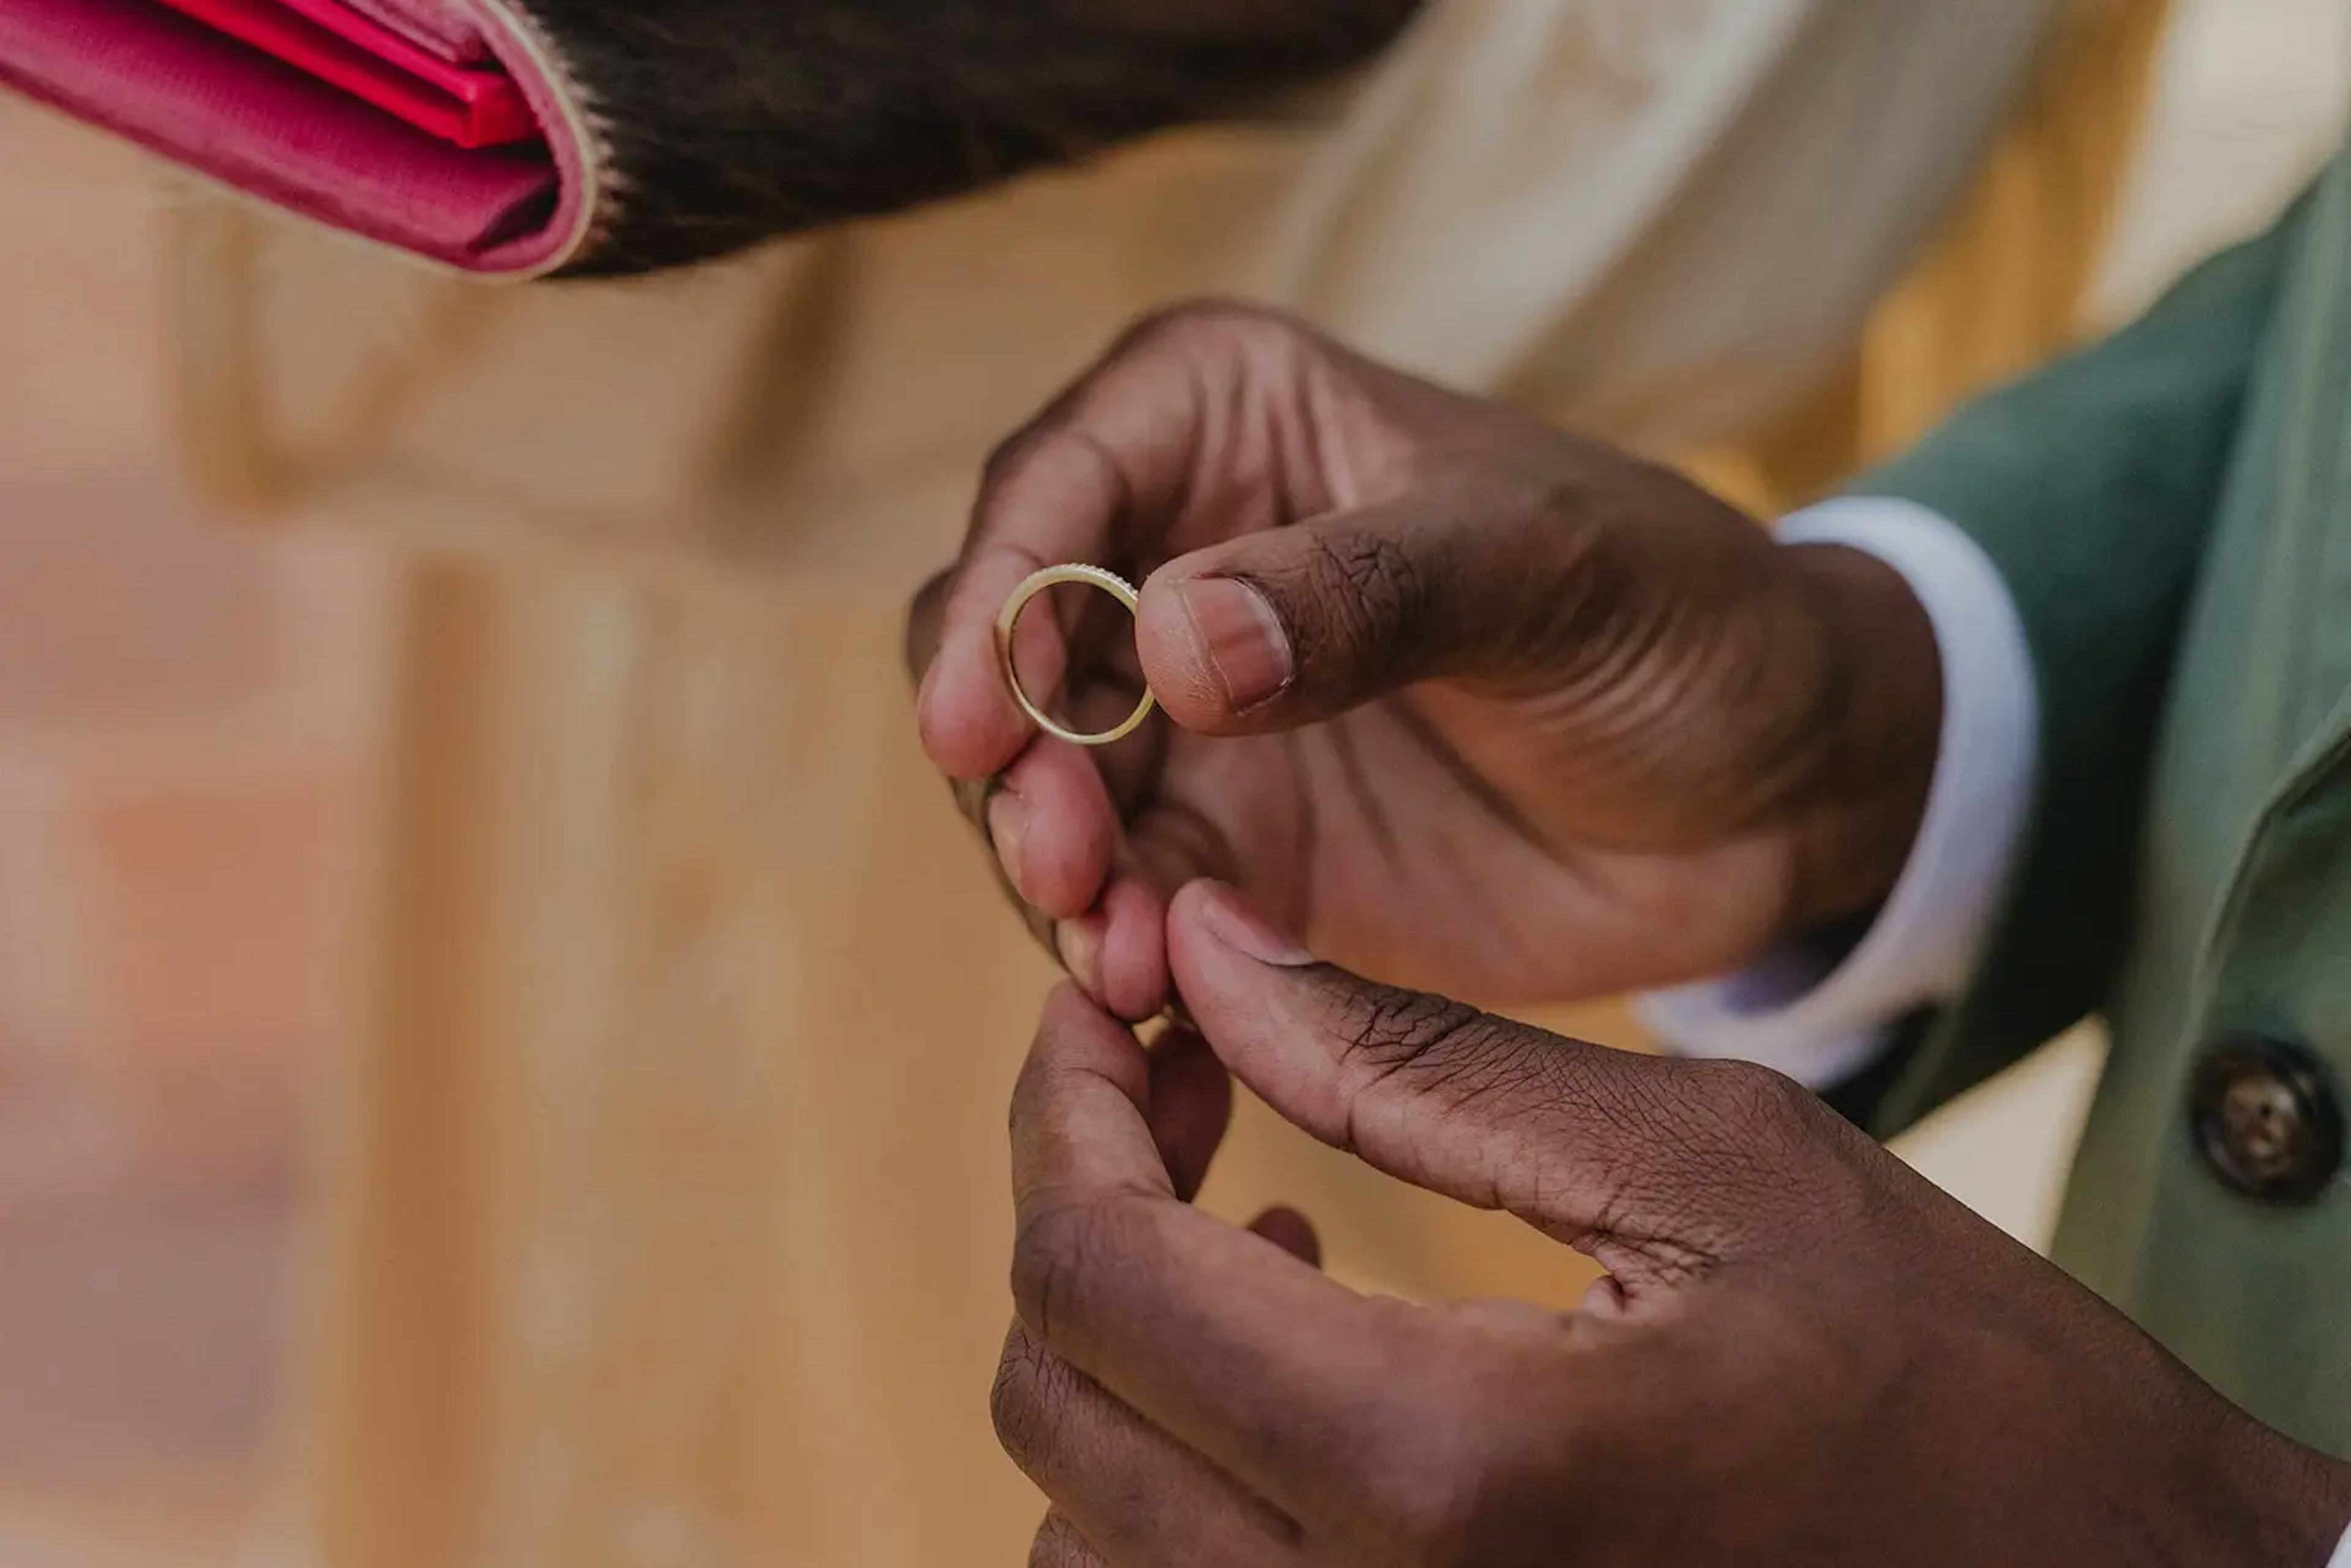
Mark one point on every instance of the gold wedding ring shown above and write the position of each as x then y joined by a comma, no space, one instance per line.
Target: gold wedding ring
1053,577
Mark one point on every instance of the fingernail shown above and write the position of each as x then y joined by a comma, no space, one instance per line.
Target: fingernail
1080,943
1236,924
1008,829
1244,638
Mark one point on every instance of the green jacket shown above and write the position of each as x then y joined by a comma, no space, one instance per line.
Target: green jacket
2172,513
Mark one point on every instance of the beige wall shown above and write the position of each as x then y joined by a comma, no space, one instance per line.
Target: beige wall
185,720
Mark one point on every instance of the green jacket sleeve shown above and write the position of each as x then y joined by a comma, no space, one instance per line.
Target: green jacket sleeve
2093,487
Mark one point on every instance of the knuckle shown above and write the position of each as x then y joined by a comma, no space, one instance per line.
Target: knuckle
1013,1407
1768,1153
1059,1545
1055,434
1029,1091
1032,1392
1005,460
1046,1256
1058,1247
925,622
1366,594
993,513
1756,1103
1192,324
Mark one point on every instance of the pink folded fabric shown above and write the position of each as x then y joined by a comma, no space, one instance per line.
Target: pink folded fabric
435,126
442,26
473,106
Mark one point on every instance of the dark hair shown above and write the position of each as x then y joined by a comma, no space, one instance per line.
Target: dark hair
734,121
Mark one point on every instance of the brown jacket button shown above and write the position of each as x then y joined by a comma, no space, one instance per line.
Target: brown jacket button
2267,1120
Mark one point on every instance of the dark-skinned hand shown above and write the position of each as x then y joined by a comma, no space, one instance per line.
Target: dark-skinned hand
1474,704
1802,1353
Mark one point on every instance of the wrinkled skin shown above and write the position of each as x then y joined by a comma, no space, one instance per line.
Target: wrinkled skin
1555,724
1490,711
1803,1354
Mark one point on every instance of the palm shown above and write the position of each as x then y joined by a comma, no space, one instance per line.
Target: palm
1418,839
1474,706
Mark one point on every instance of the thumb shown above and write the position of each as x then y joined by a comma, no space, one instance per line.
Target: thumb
1286,626
1655,1166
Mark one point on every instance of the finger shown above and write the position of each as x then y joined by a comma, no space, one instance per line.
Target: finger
1132,1492
1659,1166
1117,952
1194,415
976,802
1054,830
925,619
1291,1231
1287,627
1045,501
1136,984
1304,1392
1059,1545
1191,1108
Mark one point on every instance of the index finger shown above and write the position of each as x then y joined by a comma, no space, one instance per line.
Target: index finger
1290,1383
1107,473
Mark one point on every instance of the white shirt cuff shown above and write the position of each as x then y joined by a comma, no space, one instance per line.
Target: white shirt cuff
2341,1558
1822,1017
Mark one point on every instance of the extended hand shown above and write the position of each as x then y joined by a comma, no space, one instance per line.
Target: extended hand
1802,1353
1473,704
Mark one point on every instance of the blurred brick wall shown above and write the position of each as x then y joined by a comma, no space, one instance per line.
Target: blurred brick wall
187,719
185,711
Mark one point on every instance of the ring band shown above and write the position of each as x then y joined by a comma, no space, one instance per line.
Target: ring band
1093,577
